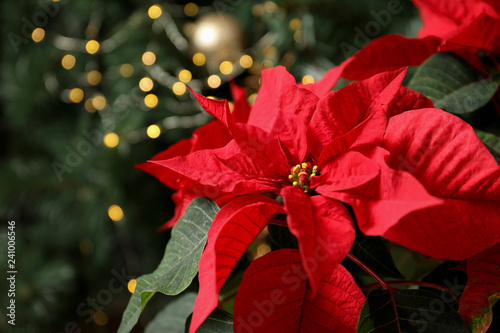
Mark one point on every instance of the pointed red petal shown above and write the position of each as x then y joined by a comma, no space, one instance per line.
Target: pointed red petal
482,290
274,296
241,109
234,228
324,231
328,81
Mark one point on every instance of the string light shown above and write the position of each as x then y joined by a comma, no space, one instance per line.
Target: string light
94,77
191,9
246,61
297,36
148,58
307,79
126,70
199,59
155,11
153,131
76,95
115,213
251,98
37,35
146,84
179,88
185,76
226,67
295,24
101,318
68,61
214,81
99,102
151,101
88,106
92,46
131,285
111,140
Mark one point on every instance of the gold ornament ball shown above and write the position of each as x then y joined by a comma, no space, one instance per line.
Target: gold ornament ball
219,37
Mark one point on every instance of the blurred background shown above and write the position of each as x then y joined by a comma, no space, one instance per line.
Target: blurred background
89,88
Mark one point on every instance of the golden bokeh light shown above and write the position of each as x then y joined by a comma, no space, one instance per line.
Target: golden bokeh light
226,67
68,61
101,318
151,100
115,213
37,35
94,77
246,61
179,88
191,9
295,24
307,79
131,285
155,11
199,59
99,102
126,70
148,58
251,98
146,84
92,46
76,95
214,81
185,76
111,140
88,106
153,131
262,250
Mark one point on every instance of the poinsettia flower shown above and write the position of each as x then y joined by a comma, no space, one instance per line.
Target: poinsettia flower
464,27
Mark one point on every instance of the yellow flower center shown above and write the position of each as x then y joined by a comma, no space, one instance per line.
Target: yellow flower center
301,174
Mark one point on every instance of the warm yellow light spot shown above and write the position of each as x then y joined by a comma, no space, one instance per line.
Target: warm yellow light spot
115,213
258,10
148,58
76,95
92,46
68,61
199,59
99,102
295,24
37,35
214,81
179,88
231,106
226,67
146,84
268,63
111,140
307,79
191,9
185,76
153,131
298,36
263,249
126,70
86,246
101,318
246,61
252,98
94,77
151,100
131,285
270,51
270,7
155,11
88,105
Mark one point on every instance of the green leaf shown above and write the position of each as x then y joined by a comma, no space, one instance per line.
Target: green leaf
180,262
492,142
409,311
453,85
372,251
173,317
219,321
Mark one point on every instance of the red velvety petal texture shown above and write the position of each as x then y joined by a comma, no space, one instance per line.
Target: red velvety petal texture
275,297
482,289
323,229
447,158
234,228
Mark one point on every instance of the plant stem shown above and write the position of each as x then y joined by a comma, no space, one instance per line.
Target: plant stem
413,283
367,269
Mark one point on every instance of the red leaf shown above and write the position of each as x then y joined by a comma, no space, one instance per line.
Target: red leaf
234,228
324,231
275,297
241,107
482,290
